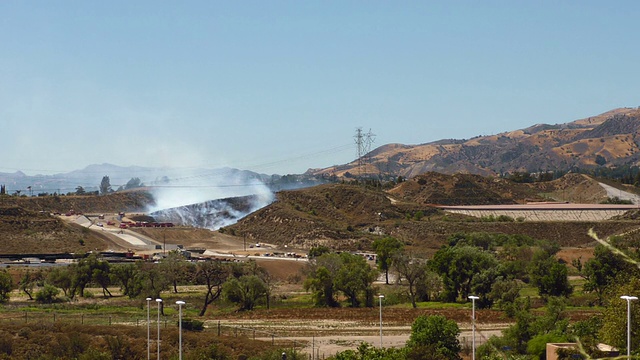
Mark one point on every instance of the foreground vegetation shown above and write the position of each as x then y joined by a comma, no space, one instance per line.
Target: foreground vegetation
519,276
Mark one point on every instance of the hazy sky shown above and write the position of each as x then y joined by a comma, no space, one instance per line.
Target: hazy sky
281,86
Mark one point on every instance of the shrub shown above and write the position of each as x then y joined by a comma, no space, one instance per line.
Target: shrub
6,285
6,343
192,325
47,294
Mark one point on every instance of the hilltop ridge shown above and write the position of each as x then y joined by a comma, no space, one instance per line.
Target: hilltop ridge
609,139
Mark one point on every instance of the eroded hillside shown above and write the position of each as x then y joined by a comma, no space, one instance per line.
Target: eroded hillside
351,217
462,189
28,232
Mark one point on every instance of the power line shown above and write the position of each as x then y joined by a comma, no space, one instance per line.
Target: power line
140,169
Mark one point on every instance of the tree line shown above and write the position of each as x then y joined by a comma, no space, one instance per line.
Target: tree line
245,284
496,267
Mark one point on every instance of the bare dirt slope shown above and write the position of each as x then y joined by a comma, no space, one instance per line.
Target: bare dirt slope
27,232
351,217
575,188
462,189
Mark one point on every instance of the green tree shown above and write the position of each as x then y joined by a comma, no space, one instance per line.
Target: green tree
322,285
175,268
213,275
602,270
411,269
614,320
29,281
585,332
319,250
105,185
366,351
129,277
60,277
47,294
244,291
355,278
101,275
385,249
80,190
6,285
459,265
429,287
530,331
88,269
321,279
152,281
504,293
437,331
549,275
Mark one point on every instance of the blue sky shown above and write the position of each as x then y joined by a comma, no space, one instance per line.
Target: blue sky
281,86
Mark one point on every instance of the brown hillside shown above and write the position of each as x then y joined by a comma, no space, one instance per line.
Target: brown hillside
429,235
346,216
577,188
120,201
346,213
26,225
462,189
612,135
27,232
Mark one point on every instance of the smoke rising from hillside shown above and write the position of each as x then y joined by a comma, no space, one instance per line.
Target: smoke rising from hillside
196,200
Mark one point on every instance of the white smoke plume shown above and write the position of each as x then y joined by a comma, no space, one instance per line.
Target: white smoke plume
207,199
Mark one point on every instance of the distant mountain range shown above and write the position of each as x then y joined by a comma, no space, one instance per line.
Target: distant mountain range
91,176
610,139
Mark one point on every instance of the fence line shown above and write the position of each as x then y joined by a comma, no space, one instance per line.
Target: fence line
217,327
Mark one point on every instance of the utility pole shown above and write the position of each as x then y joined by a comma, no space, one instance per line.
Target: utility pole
363,142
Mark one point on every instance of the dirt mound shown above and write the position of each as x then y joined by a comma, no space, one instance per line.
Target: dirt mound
27,233
346,213
462,189
576,188
26,226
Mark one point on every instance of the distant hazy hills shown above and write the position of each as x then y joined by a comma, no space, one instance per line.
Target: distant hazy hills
609,139
223,179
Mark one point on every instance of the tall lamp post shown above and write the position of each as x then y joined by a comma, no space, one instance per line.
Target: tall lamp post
148,331
628,298
180,303
380,297
158,301
473,322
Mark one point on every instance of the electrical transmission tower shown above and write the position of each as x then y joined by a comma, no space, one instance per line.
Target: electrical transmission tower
363,142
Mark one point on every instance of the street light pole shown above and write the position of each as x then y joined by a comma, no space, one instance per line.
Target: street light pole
180,303
158,301
148,332
628,298
473,321
380,297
